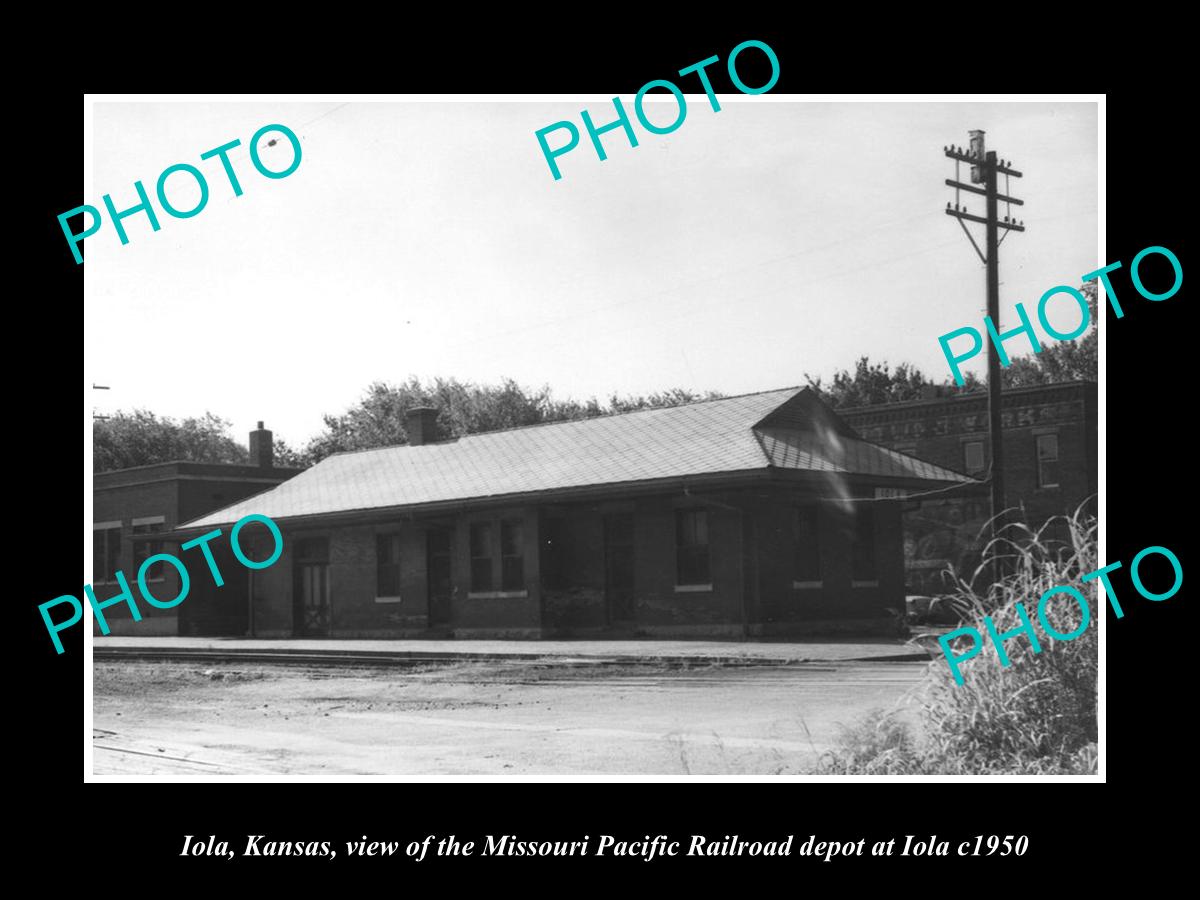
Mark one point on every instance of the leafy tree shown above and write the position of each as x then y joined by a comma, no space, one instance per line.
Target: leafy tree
871,383
672,397
140,438
1074,360
378,419
288,457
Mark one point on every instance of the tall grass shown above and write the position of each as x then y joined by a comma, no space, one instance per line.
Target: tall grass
1036,716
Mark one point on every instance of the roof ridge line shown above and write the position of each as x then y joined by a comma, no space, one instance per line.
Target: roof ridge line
613,415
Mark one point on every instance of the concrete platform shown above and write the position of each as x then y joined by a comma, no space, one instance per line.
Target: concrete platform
615,651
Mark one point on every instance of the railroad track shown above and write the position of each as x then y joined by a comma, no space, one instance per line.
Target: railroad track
360,660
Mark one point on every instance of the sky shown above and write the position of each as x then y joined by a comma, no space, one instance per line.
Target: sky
748,249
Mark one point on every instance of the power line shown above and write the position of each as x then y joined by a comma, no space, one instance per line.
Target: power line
689,285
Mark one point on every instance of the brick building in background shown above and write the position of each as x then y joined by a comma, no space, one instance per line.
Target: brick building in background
752,515
134,508
1050,464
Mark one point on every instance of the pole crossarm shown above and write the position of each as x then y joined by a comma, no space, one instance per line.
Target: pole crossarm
976,161
1003,198
970,218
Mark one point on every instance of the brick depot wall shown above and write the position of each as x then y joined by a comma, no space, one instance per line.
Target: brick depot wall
273,594
197,498
750,557
661,609
124,504
496,616
212,610
576,605
177,492
355,610
837,604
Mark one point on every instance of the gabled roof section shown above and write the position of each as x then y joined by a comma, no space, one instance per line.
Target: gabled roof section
711,436
805,433
814,451
788,428
806,410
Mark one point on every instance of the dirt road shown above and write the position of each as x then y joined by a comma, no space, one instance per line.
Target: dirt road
186,718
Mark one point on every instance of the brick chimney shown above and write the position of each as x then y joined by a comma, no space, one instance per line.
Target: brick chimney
421,424
262,448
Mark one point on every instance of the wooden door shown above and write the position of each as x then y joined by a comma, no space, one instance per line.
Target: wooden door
618,567
438,555
310,608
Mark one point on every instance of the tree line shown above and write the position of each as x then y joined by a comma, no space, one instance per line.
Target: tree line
140,437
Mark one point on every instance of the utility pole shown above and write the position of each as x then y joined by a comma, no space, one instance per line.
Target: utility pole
98,387
985,168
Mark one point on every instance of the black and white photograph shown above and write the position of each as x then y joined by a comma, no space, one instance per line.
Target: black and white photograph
515,437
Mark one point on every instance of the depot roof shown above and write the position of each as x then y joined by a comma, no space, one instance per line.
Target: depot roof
790,430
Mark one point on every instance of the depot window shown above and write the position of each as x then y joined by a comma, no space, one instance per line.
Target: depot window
106,551
512,555
691,547
387,565
482,553
862,551
806,548
144,548
1047,460
973,461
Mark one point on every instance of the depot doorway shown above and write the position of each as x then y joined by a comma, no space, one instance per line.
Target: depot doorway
310,611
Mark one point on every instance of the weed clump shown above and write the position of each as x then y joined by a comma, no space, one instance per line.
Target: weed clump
1038,715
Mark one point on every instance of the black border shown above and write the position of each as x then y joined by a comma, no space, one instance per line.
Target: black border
132,831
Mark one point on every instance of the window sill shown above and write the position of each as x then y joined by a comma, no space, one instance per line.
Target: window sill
497,595
388,600
868,583
807,585
693,588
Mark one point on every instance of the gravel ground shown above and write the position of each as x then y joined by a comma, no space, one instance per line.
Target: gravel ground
495,718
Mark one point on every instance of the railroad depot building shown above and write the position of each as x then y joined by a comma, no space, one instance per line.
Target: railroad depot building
133,511
753,515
